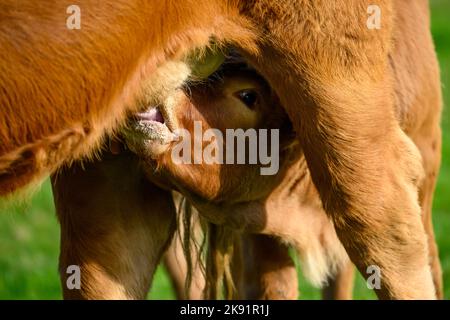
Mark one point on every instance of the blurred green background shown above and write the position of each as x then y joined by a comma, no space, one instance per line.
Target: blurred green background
29,233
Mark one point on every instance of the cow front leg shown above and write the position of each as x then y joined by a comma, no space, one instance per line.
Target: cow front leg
367,172
369,187
429,143
114,228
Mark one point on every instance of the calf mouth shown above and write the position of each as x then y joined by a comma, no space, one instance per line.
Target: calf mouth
149,133
158,122
151,125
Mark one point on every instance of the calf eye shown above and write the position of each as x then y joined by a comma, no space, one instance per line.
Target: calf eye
248,97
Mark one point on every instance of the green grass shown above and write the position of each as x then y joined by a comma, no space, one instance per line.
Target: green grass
29,234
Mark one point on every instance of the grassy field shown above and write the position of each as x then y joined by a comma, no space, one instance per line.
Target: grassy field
29,233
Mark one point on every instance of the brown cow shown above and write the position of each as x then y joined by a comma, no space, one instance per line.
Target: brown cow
285,205
340,82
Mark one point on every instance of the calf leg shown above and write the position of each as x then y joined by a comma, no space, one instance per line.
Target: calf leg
114,226
176,265
340,285
269,272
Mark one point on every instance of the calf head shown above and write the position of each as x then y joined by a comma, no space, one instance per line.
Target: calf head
224,144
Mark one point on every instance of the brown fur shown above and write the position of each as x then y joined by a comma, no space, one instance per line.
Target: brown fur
255,204
56,81
334,76
367,178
